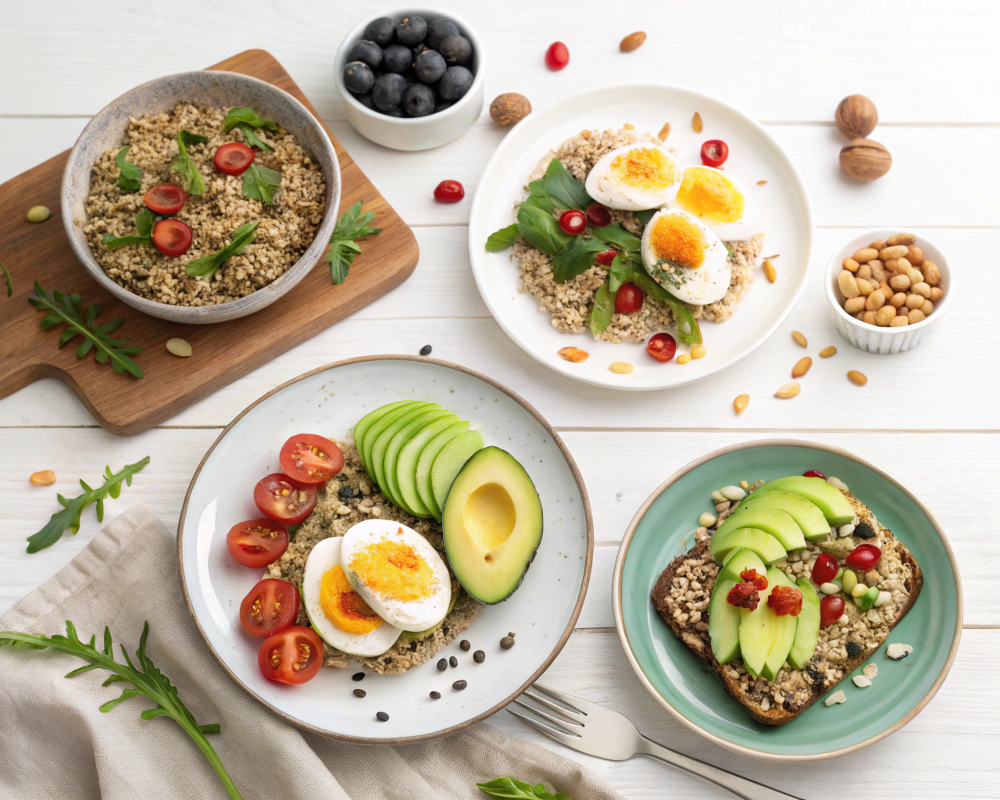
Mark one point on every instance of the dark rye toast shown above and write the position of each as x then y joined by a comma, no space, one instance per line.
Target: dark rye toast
682,593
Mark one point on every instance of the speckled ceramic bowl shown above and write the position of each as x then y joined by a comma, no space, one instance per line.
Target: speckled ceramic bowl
214,89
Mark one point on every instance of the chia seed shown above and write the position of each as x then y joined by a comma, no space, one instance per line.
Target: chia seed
459,685
381,716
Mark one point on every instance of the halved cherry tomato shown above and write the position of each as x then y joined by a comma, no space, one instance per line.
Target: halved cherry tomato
825,569
257,542
166,199
172,237
573,221
714,153
814,473
309,458
233,158
662,346
269,607
280,498
605,257
449,192
598,215
831,608
629,298
292,656
864,557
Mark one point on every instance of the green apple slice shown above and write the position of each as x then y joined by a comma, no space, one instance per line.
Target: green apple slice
762,543
723,623
807,515
807,631
831,501
770,520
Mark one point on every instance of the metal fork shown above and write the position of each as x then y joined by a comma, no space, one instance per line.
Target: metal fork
598,731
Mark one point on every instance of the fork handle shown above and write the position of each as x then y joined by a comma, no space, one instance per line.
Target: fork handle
741,787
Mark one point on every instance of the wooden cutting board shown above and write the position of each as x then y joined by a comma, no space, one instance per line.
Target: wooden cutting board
222,353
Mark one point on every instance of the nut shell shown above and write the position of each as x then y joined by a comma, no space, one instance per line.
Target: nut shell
865,159
856,116
509,108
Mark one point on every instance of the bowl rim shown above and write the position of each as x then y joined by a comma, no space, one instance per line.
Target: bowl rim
86,256
834,267
354,35
616,600
557,648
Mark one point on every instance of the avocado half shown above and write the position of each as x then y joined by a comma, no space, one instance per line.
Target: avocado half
492,524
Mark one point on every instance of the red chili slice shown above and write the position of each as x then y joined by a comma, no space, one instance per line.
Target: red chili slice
573,221
165,199
714,153
172,237
233,158
784,600
662,346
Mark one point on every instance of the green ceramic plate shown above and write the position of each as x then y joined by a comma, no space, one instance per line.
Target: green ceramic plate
664,527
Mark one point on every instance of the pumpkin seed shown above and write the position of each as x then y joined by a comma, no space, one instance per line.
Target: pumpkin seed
179,347
38,214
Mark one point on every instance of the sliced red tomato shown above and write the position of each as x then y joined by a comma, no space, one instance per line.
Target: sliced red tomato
166,199
308,458
233,158
270,606
172,237
280,498
292,656
257,542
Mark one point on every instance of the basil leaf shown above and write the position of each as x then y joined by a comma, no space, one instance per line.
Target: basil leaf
513,789
501,239
206,266
351,225
112,243
341,256
563,188
575,258
619,237
538,196
145,220
603,310
246,116
645,216
130,178
194,180
261,183
618,273
540,228
253,140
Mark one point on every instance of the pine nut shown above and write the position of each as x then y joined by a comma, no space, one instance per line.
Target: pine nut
875,301
772,276
696,123
848,286
851,265
865,254
893,251
936,293
664,132
857,377
884,316
800,339
574,354
788,391
741,402
899,322
44,478
901,238
698,351
826,352
932,275
683,358
801,367
179,347
923,289
864,287
927,308
856,304
621,368
916,316
897,300
915,255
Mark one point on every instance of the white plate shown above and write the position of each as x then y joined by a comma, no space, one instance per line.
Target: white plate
329,401
753,155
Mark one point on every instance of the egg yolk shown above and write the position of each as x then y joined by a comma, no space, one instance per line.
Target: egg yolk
677,239
343,606
710,195
647,167
394,569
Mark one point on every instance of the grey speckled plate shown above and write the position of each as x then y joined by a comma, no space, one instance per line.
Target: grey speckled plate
217,89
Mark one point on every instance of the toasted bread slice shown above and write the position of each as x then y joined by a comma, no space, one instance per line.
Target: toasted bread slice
681,597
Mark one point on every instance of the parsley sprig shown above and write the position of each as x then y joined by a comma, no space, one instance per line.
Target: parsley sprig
145,678
69,517
518,790
194,180
68,310
130,177
351,225
206,266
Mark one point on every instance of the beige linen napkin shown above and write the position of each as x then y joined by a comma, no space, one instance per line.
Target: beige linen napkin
54,743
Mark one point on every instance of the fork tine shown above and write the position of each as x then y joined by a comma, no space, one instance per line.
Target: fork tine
565,738
567,713
559,721
577,704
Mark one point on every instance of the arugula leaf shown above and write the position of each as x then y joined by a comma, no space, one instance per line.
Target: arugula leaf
619,237
351,225
645,216
501,239
519,790
130,178
575,258
185,166
261,183
146,680
10,285
247,116
603,310
540,228
563,188
253,140
69,517
69,310
618,273
144,222
206,266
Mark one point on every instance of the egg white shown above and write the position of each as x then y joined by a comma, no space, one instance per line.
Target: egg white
412,615
603,186
742,228
323,557
705,284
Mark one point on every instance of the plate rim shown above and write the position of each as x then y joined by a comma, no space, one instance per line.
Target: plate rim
481,205
395,740
616,601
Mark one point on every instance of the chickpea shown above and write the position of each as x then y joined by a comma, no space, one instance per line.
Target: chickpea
902,265
914,301
884,316
875,301
922,289
915,255
887,290
936,293
864,271
932,275
855,304
851,265
900,282
898,300
890,264
868,317
848,285
865,287
865,254
915,276
898,322
878,244
893,251
915,316
901,238
927,308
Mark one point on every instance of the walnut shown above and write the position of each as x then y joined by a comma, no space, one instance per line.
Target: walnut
509,108
856,116
865,159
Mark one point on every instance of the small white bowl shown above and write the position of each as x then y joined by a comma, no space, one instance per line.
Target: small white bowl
414,133
870,337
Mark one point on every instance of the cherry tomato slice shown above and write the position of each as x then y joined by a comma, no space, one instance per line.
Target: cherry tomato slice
864,557
629,298
605,257
257,542
598,215
714,153
166,199
293,656
172,237
308,458
449,192
662,346
814,473
573,221
270,606
831,608
233,158
280,498
557,56
825,569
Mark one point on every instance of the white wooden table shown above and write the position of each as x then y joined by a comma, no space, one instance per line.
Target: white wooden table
928,416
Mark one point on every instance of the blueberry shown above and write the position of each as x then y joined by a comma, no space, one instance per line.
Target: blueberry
411,30
441,106
456,49
455,83
397,58
388,92
396,112
381,31
430,66
365,100
419,100
438,30
366,51
358,77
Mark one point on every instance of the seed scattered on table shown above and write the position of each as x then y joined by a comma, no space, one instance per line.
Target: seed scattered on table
459,685
800,339
44,478
453,661
381,716
632,42
465,644
179,347
801,367
826,352
442,665
707,520
506,642
479,656
788,391
696,123
358,676
435,695
698,351
360,693
621,368
858,378
425,350
574,354
664,132
761,183
38,214
769,271
683,358
741,402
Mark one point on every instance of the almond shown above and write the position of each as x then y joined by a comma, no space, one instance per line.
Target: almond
696,123
632,42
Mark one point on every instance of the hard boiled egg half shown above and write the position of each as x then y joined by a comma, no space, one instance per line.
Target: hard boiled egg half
635,177
720,200
684,256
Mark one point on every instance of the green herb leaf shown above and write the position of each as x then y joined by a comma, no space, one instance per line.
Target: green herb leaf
146,680
351,225
687,326
519,790
253,140
10,284
206,266
563,188
247,116
69,517
191,175
145,220
603,310
645,216
539,197
130,178
732,254
501,239
261,183
575,258
618,273
540,228
68,310
617,236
